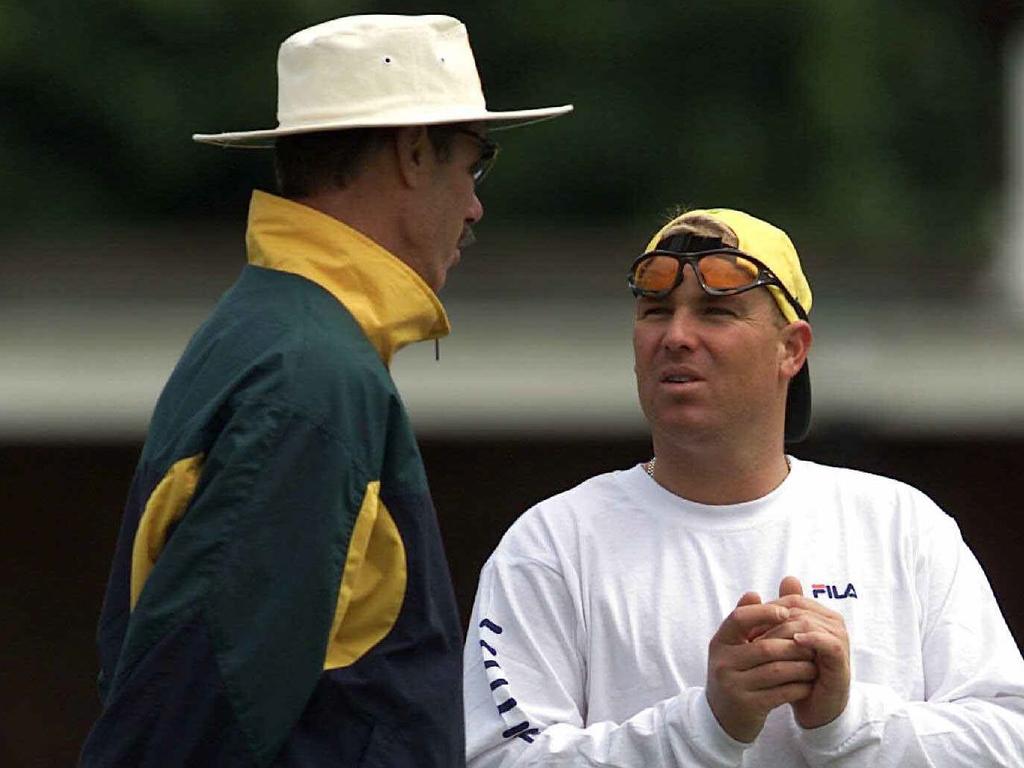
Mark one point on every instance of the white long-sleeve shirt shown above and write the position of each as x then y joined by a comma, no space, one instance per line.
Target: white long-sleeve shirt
588,643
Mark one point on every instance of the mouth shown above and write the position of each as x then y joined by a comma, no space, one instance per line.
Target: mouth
467,238
679,378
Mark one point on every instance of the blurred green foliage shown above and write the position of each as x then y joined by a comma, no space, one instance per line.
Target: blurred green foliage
862,121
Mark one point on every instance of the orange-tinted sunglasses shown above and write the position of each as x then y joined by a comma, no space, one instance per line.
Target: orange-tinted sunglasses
720,270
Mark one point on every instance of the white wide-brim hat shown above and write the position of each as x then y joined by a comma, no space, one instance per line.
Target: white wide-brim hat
378,71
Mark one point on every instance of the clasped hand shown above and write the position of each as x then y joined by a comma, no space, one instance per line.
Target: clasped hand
792,651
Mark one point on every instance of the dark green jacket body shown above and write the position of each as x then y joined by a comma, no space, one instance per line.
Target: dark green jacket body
279,593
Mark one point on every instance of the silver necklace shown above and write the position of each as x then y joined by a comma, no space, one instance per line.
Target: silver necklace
649,466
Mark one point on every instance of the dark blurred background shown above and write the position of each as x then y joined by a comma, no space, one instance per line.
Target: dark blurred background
886,138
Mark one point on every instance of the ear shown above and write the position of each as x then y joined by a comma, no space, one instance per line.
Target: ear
796,340
413,153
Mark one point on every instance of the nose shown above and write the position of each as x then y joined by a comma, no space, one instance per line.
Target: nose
680,331
476,210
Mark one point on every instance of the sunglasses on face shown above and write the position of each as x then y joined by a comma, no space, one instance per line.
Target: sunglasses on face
488,154
720,270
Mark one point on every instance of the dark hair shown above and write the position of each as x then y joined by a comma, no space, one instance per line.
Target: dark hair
306,163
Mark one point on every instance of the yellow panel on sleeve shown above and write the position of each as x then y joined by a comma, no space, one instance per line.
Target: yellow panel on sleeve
372,584
166,506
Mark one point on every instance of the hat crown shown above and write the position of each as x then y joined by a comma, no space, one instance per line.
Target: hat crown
376,66
376,71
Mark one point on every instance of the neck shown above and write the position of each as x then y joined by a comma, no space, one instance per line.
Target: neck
717,475
370,203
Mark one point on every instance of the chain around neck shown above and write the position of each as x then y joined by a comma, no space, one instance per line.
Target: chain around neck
649,466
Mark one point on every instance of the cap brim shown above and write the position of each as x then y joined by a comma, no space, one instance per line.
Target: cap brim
798,406
498,121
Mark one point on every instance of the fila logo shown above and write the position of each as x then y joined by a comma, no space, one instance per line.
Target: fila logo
833,591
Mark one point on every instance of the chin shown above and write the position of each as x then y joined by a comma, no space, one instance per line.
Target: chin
673,421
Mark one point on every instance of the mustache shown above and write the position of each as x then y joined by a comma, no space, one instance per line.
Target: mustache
467,238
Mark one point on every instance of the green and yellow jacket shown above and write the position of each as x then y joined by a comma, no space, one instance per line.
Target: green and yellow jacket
279,592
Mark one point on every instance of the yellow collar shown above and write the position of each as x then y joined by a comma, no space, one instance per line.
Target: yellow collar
387,298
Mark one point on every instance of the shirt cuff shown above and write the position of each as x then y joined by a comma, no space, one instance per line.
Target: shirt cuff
866,710
704,733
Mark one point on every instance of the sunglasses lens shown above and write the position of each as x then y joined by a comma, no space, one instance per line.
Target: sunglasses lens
655,274
724,272
488,154
483,165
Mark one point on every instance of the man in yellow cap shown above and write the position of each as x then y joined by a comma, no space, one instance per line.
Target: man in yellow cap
279,593
724,603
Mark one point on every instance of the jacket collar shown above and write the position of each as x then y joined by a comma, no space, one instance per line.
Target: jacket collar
391,303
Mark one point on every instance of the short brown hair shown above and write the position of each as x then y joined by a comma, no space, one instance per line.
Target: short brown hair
306,163
701,225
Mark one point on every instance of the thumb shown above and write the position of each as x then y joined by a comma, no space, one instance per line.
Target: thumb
790,586
749,598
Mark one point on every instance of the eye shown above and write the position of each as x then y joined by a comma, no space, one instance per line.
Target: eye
654,310
717,310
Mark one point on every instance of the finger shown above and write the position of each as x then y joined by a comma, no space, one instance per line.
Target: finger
777,673
800,620
752,598
758,632
736,627
790,585
831,651
789,693
799,602
766,651
803,622
754,633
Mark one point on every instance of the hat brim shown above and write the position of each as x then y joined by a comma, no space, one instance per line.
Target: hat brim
798,406
497,121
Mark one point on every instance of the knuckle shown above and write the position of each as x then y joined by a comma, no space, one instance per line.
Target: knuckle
759,652
718,669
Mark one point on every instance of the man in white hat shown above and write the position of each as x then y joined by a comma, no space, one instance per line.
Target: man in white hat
726,604
279,593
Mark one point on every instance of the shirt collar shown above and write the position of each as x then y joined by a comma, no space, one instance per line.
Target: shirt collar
391,303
